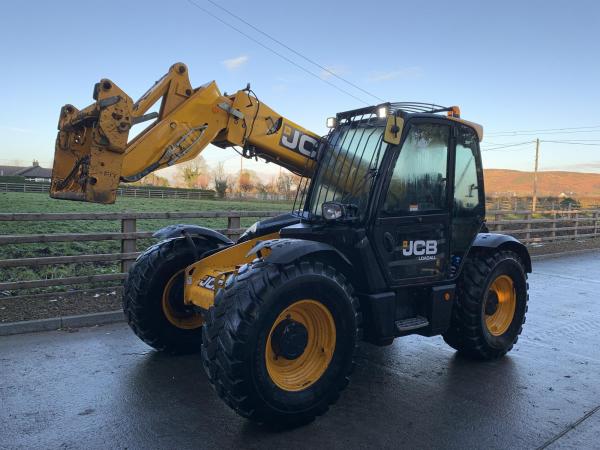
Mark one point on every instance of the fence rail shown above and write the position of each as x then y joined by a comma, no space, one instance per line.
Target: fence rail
530,228
127,237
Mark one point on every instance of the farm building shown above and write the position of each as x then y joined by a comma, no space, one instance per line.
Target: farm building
31,173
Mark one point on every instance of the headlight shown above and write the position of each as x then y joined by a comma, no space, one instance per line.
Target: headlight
331,122
332,210
382,112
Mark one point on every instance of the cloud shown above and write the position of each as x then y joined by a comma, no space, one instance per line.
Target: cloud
592,165
405,73
235,63
16,129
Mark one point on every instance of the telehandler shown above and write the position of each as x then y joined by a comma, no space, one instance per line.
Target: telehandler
387,238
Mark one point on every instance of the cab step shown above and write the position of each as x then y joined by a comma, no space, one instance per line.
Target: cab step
410,324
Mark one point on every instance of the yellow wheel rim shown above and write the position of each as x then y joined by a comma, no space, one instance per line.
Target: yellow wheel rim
503,297
302,372
172,305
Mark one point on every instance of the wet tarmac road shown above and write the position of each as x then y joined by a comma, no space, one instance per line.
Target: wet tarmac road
102,388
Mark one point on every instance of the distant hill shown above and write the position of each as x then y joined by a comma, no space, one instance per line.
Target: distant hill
551,183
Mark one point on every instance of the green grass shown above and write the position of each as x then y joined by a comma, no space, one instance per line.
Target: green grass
23,202
33,202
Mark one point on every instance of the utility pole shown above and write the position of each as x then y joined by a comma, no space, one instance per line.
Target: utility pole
535,173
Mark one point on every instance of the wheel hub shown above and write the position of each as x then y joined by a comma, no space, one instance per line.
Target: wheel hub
289,339
300,345
500,305
491,304
174,308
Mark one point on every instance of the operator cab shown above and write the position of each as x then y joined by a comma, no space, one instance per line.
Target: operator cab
405,176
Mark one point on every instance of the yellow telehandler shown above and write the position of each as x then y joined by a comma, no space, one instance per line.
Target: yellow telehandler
387,238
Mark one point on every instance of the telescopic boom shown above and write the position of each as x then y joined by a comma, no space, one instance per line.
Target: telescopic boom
93,153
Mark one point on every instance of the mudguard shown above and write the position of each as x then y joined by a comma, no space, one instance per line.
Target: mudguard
270,225
505,242
284,251
179,230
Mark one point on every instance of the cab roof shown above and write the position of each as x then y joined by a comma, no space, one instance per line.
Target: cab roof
413,109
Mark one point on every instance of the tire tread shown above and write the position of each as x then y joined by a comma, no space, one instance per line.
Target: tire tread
227,328
138,303
465,333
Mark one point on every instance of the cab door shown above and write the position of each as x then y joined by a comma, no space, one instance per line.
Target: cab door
468,206
412,225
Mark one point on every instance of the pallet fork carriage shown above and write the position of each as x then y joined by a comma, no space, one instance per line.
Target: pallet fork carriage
387,238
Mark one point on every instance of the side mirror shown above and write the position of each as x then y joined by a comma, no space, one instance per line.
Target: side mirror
393,129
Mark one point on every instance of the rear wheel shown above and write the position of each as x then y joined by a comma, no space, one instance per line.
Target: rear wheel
153,298
491,304
279,342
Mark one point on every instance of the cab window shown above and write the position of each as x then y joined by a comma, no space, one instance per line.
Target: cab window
466,185
418,182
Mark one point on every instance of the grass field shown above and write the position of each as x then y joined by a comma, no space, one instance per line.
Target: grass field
19,202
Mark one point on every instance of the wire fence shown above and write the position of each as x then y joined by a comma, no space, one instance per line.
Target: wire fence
514,203
129,191
504,203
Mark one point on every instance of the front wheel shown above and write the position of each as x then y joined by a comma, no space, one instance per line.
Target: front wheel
279,343
490,308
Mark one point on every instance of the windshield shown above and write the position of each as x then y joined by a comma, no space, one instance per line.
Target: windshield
348,164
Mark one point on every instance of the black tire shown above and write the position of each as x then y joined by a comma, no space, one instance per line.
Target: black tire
468,332
235,336
143,292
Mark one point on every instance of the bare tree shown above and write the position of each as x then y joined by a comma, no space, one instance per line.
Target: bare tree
194,173
284,184
221,180
247,181
262,188
154,180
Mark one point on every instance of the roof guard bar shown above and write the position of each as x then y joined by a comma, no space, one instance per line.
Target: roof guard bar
407,107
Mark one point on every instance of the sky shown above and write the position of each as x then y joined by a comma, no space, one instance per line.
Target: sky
510,65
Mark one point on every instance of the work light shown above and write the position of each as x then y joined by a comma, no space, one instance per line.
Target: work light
332,210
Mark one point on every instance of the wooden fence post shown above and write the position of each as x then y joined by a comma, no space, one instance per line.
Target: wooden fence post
528,228
128,245
497,218
596,217
233,223
553,225
576,223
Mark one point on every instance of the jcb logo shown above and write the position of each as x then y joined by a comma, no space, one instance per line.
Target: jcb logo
208,282
296,140
419,248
